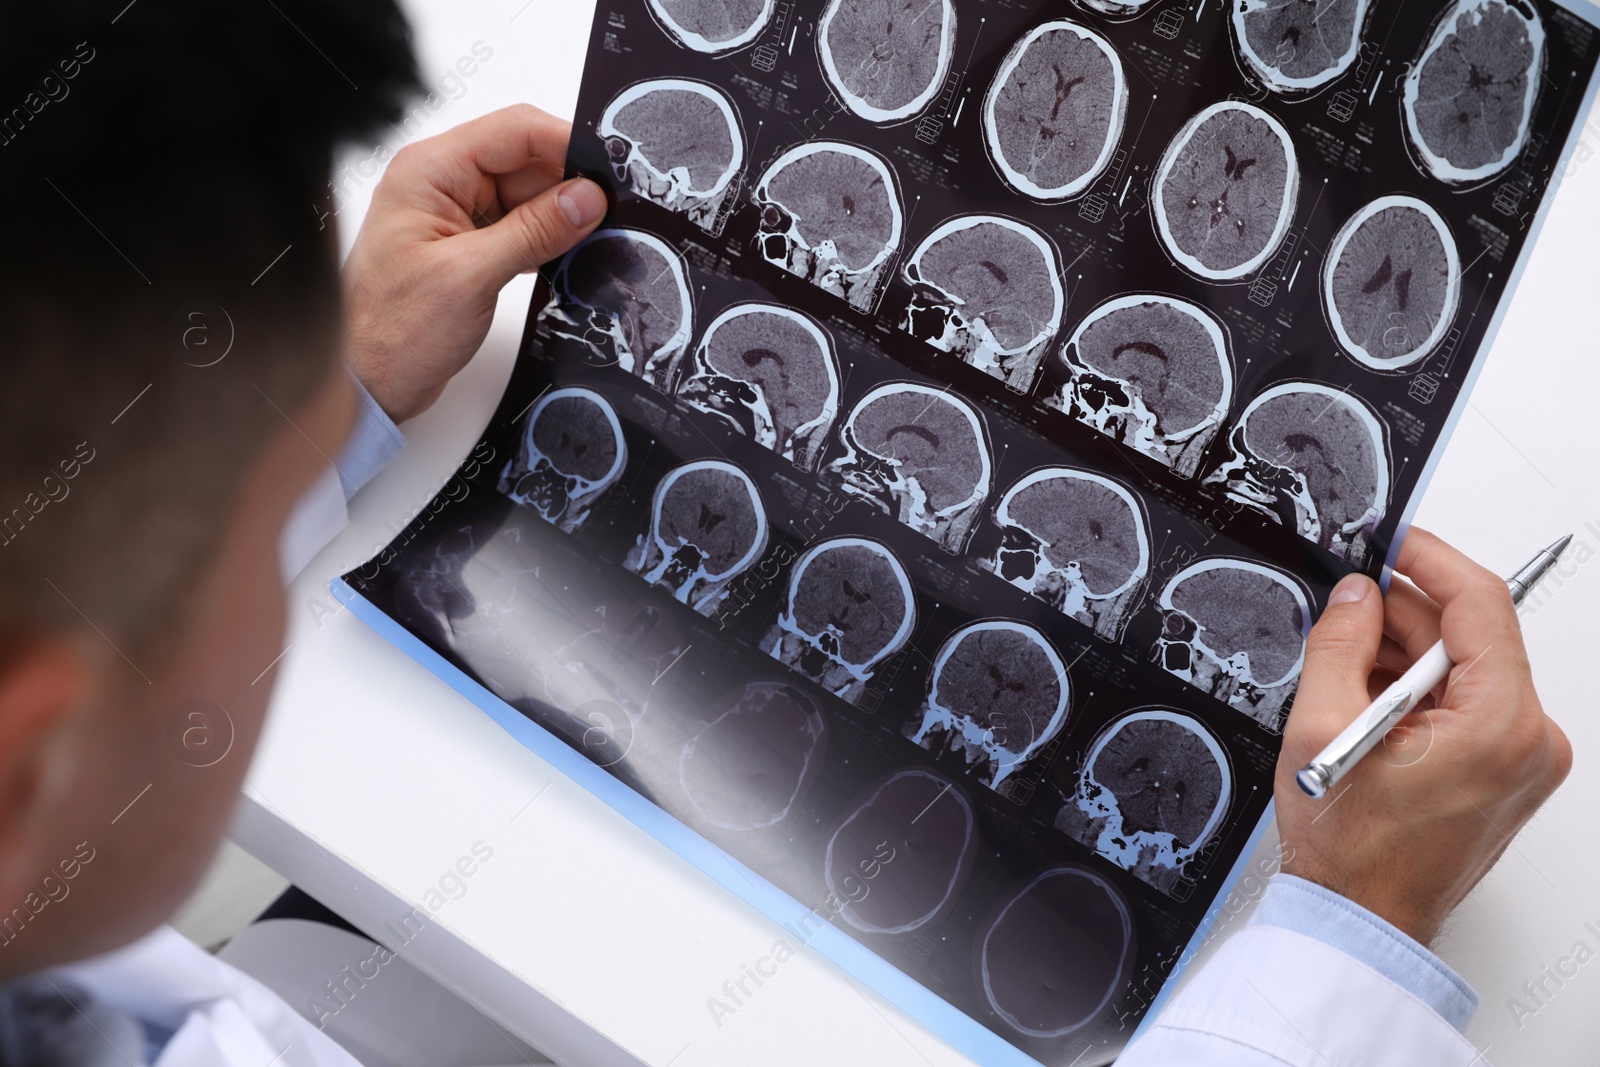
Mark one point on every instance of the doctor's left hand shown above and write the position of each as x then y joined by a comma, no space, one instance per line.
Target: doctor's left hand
454,219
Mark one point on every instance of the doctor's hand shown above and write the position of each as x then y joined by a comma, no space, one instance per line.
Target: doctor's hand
1415,825
454,219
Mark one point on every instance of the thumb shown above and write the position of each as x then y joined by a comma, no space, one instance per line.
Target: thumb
537,231
1343,646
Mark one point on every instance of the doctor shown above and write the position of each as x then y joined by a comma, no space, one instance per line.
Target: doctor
170,161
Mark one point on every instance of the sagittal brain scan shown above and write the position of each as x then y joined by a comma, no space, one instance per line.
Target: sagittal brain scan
1225,191
676,143
1055,953
1077,541
887,59
987,290
770,373
571,453
901,853
830,213
849,608
920,455
998,694
1053,116
1469,97
1296,47
1314,459
624,296
1236,630
1152,372
707,524
1392,283
1153,789
749,764
714,26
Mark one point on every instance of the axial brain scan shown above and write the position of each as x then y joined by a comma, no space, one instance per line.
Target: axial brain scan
571,453
748,765
887,59
676,143
714,26
1296,47
707,525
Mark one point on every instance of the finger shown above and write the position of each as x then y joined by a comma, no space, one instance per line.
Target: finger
1343,648
1410,617
535,232
512,139
1477,612
1394,657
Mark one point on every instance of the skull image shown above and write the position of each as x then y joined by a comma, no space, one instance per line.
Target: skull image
987,290
707,525
1078,542
830,213
1294,47
998,694
849,608
1153,790
748,765
623,295
920,455
571,453
1152,372
715,27
676,143
1313,458
887,59
771,373
1236,630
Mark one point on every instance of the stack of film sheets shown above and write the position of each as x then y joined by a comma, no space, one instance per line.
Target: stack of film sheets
922,485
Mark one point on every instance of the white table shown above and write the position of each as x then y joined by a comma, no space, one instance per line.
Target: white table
590,940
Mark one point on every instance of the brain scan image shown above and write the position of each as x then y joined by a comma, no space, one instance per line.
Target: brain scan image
707,525
901,853
849,608
748,765
1469,97
887,59
830,213
1152,372
987,290
920,455
1153,790
1392,283
676,143
1315,459
1225,191
1295,47
1053,116
770,373
998,694
714,26
1055,953
623,294
571,453
1236,630
1077,541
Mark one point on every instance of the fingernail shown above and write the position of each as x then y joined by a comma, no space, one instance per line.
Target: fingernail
1351,588
583,202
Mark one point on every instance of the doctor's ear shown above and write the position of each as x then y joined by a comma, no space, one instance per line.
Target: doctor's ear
43,684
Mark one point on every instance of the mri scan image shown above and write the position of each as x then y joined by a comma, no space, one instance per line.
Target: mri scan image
1236,630
624,296
1312,458
1053,116
749,764
848,609
1153,790
1225,191
707,525
1055,953
998,694
987,290
1392,283
676,143
1469,97
1152,372
830,213
770,373
571,453
887,59
714,26
1078,542
901,853
1295,47
920,455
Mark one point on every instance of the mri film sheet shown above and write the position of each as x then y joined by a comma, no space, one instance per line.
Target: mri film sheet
922,485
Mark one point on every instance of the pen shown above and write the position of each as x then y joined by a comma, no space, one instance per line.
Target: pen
1431,668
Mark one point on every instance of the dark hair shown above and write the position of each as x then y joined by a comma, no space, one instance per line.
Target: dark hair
164,167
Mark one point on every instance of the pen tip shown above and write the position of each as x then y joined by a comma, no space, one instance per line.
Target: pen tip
1560,546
